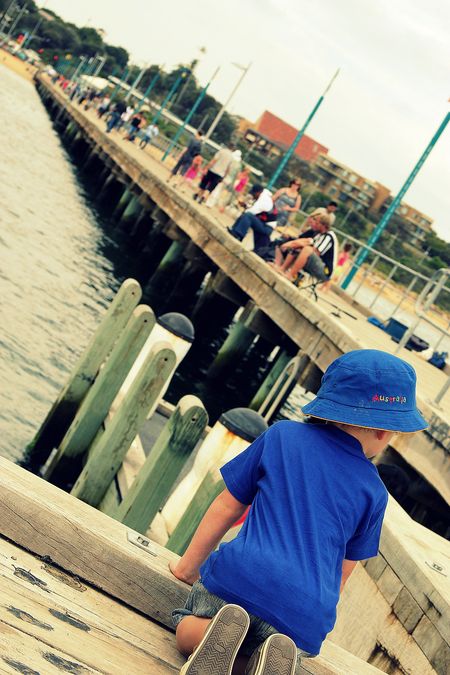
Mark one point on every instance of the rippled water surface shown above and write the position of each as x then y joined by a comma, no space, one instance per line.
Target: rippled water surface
54,277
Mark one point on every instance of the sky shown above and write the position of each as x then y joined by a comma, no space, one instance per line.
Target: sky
389,99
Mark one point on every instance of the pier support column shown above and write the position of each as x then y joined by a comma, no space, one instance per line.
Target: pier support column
165,275
187,285
239,340
126,197
266,387
213,311
131,213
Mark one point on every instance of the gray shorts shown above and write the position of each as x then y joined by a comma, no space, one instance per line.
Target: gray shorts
204,604
316,267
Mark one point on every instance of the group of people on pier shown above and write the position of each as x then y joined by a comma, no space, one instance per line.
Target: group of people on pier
224,182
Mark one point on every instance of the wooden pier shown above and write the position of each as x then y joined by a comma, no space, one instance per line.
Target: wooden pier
79,596
273,307
83,592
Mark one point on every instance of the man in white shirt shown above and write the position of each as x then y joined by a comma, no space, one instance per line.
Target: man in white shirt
216,170
260,217
328,210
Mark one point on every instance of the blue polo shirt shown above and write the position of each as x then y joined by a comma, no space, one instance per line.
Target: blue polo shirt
316,499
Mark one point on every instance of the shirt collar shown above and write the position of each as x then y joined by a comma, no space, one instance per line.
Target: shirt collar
345,440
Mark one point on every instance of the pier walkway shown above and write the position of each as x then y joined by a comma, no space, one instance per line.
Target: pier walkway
79,596
321,330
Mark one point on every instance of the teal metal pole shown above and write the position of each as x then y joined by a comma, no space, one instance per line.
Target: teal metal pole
395,202
172,91
188,118
155,78
299,135
124,79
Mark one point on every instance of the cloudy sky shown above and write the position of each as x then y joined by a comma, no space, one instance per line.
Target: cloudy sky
389,99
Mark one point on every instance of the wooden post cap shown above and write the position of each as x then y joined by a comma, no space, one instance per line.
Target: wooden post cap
178,324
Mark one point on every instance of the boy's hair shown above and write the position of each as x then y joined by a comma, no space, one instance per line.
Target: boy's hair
333,204
324,219
347,248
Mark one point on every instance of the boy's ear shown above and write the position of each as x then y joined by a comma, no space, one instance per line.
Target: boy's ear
380,434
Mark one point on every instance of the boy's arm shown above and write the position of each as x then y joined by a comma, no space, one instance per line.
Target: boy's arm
223,512
347,568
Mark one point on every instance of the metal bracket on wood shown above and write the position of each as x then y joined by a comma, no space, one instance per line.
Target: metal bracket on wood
141,542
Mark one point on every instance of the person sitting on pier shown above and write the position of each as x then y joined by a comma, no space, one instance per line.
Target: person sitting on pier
261,218
317,507
316,255
272,253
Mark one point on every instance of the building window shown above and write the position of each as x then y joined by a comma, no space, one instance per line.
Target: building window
403,210
332,191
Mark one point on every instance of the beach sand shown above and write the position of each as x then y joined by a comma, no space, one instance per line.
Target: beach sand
25,70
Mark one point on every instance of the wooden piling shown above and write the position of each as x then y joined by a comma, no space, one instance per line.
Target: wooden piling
238,341
64,409
230,435
211,486
110,449
266,386
163,465
98,400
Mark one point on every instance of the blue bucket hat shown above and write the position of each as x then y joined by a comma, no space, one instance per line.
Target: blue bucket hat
369,388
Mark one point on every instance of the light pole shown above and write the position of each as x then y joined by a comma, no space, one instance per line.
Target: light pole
299,135
181,75
188,118
5,14
219,115
154,80
139,77
20,14
32,35
395,202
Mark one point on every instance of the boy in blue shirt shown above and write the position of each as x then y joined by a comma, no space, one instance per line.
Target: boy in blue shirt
262,601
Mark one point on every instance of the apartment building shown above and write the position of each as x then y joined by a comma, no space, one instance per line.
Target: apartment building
371,198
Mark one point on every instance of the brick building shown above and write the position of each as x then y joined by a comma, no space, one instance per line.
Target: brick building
273,136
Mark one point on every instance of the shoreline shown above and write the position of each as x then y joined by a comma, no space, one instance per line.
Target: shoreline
21,68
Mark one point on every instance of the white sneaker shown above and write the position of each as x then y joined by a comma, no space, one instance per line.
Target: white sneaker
216,652
276,656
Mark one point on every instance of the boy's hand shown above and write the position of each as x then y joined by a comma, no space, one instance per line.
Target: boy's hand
188,577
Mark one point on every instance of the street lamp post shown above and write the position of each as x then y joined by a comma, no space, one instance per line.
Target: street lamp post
188,118
219,115
299,135
181,75
20,14
393,206
139,77
154,80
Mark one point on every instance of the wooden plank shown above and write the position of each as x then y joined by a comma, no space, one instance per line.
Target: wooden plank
367,628
411,551
44,519
40,601
89,544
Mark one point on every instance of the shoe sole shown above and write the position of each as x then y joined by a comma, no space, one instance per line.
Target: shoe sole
278,657
218,649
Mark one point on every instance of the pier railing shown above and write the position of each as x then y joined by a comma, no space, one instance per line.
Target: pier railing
418,281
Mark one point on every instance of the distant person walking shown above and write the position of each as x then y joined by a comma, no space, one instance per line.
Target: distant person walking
115,116
215,172
149,133
184,162
135,124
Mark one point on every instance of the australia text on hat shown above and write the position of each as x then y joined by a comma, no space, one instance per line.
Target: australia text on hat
389,399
